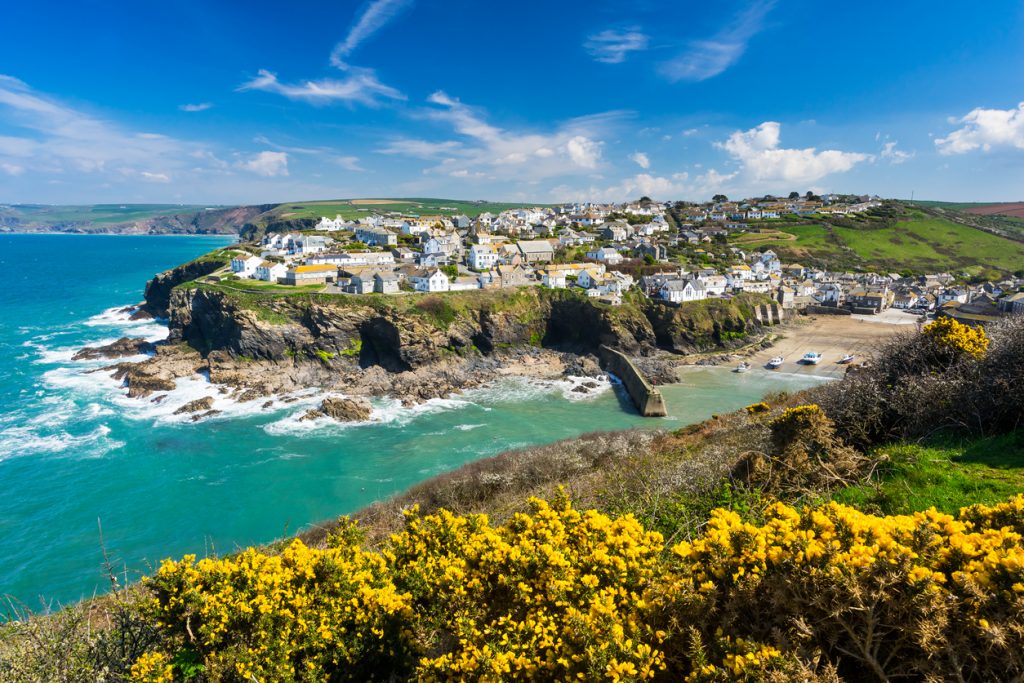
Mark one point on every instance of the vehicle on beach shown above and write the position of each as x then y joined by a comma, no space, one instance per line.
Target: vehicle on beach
776,362
847,358
811,358
742,367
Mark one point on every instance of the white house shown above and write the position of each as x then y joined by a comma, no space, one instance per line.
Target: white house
270,272
245,266
555,278
328,225
430,280
606,255
679,291
714,285
482,257
831,294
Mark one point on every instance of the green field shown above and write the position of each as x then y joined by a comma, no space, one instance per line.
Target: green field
356,208
919,244
95,214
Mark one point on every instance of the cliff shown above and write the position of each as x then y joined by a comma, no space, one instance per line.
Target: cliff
401,333
157,294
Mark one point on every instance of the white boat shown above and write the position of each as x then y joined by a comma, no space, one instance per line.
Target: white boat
847,358
776,362
812,358
743,366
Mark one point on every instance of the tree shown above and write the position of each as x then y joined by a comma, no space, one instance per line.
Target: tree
809,196
452,271
719,198
794,195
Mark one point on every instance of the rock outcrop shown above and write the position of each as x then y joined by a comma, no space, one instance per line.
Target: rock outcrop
196,406
341,409
125,346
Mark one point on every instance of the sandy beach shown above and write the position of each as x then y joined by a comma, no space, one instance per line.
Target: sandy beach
832,336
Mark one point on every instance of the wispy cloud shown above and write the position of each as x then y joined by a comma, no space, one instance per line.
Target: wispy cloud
421,149
893,155
267,164
53,138
612,46
762,160
360,85
202,106
640,159
704,59
373,18
327,154
484,150
985,129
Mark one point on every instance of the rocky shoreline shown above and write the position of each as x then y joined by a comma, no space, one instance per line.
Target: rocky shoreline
245,380
251,346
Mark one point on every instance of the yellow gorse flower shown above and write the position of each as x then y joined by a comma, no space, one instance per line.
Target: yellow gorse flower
957,337
558,593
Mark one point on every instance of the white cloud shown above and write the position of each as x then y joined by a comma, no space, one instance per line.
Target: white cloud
893,155
267,164
763,161
704,59
345,161
612,47
690,132
12,169
420,149
361,86
53,138
583,151
573,148
348,162
985,129
376,15
202,106
156,177
640,159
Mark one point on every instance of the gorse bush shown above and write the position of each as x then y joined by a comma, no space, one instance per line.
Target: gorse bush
560,594
949,377
955,338
804,455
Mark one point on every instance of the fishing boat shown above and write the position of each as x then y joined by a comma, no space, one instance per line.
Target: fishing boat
743,366
776,362
812,358
847,358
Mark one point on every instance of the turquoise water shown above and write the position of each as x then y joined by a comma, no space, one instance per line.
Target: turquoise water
74,450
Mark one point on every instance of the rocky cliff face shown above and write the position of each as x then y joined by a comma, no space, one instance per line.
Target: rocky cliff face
398,338
414,332
158,290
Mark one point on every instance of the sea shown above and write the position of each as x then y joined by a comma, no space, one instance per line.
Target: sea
90,478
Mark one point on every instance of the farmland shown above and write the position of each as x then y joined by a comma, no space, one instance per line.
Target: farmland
917,242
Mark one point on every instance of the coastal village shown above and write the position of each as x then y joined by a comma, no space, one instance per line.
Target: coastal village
670,253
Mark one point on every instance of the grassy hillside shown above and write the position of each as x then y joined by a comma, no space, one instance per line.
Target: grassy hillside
912,240
95,214
358,208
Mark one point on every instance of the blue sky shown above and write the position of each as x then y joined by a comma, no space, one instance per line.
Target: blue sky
246,102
